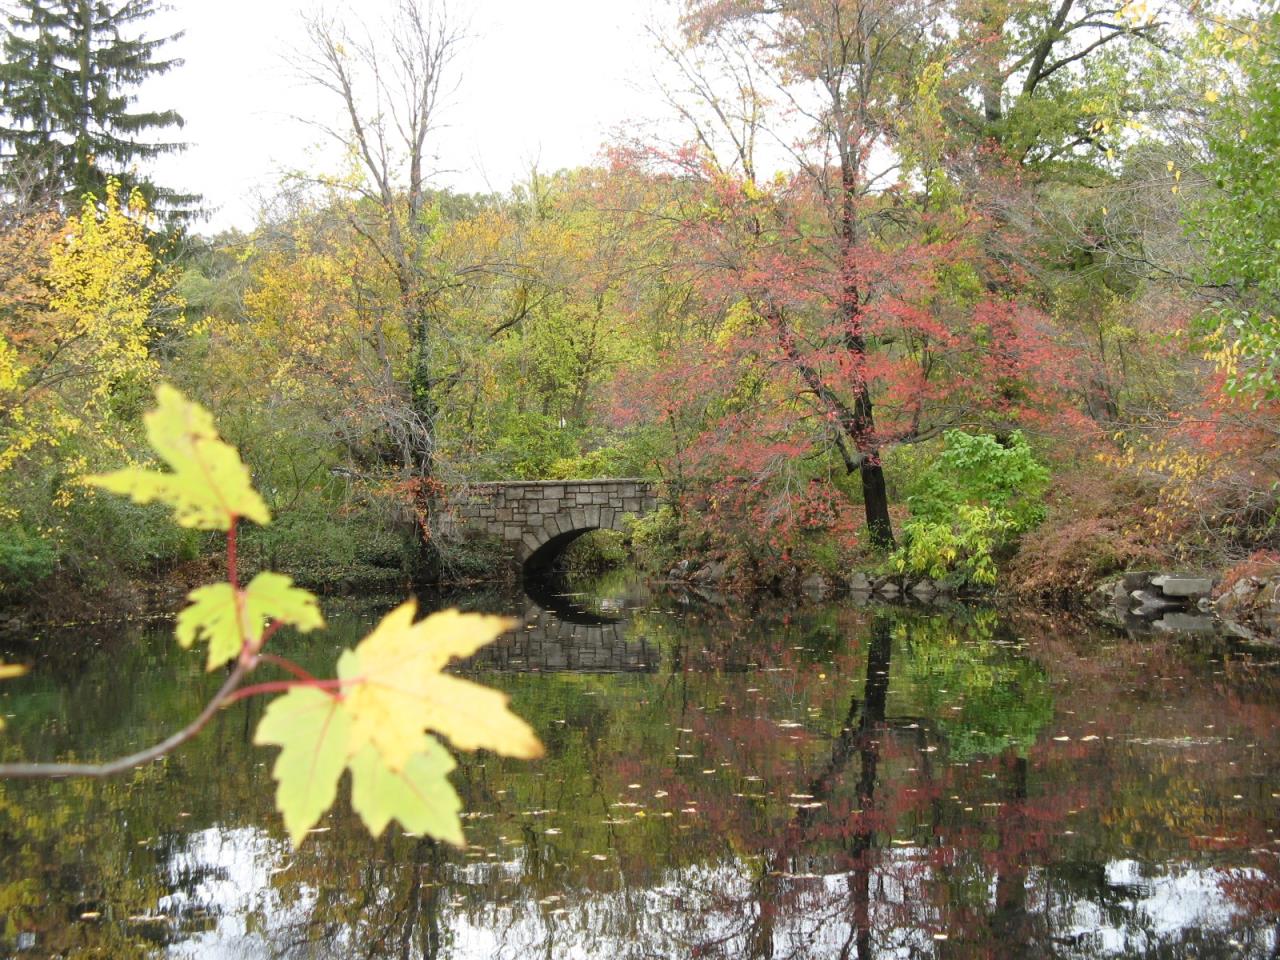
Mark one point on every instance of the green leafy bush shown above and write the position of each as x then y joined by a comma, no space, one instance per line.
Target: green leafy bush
103,536
319,544
1238,221
655,539
973,499
594,553
25,559
528,445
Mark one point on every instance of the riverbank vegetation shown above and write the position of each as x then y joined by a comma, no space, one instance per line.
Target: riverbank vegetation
960,290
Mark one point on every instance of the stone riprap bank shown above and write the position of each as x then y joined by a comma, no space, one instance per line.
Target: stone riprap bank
539,518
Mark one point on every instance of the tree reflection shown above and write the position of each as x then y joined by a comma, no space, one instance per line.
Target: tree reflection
825,783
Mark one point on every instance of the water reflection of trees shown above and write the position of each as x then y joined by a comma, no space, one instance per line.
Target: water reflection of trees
875,780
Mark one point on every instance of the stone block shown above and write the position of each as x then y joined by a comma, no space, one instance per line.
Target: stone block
859,582
553,493
631,504
924,590
713,572
814,586
592,516
1173,585
578,517
512,532
599,498
1137,580
1269,597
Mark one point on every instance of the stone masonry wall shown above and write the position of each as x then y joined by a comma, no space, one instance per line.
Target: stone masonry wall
527,514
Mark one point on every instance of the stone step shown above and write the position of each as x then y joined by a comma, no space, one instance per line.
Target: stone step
1177,585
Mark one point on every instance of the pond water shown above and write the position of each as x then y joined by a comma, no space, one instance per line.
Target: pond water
832,781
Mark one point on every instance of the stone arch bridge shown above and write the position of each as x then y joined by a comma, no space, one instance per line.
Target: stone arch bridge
537,519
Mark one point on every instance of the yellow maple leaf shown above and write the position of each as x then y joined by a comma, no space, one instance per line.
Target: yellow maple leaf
395,690
207,484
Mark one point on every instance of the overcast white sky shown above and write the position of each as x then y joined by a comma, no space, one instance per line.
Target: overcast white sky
541,81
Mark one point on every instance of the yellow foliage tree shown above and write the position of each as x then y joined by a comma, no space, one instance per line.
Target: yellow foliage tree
83,303
111,291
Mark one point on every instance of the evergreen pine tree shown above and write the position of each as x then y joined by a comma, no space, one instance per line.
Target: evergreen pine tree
32,85
68,83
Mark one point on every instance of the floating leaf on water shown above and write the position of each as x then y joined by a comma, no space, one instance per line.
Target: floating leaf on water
8,671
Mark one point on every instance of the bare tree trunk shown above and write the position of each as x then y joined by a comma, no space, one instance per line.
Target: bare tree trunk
401,71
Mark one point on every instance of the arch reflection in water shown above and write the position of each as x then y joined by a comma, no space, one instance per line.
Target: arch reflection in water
573,632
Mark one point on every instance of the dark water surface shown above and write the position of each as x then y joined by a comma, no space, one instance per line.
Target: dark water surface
832,782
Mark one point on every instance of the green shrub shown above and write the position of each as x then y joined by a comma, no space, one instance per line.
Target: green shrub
473,557
25,559
594,553
604,462
966,545
655,539
528,446
972,500
115,533
318,544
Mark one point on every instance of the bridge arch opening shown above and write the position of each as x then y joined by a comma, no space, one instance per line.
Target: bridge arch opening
543,558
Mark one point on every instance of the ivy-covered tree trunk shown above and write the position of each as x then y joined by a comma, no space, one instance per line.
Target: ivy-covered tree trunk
422,399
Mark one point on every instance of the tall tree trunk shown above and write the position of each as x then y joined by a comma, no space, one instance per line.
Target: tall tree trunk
875,494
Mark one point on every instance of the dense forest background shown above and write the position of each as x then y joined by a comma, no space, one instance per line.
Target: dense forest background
964,289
